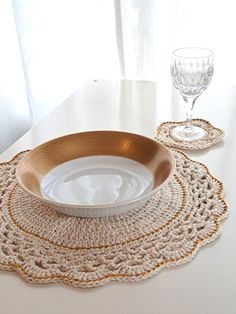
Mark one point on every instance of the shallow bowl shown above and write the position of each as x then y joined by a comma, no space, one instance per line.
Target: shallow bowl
96,174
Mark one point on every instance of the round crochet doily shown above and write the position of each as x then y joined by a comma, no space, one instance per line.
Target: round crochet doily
45,246
214,135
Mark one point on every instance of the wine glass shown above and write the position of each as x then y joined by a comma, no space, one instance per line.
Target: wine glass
191,71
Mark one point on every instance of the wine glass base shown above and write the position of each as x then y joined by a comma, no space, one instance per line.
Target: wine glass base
183,134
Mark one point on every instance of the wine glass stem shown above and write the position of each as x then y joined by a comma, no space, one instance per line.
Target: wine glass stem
190,101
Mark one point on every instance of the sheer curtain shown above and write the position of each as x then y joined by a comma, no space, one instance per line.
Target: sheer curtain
50,47
14,111
151,29
63,43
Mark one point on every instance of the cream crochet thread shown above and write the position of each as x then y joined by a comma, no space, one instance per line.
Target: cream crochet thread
45,246
214,136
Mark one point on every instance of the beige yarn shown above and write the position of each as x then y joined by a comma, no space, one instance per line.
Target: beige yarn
214,135
45,246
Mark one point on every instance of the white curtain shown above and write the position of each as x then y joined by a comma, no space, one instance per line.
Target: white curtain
63,43
50,47
14,111
151,29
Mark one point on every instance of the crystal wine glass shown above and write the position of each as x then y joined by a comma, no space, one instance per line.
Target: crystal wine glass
191,71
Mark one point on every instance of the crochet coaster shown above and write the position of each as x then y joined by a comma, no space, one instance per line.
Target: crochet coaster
214,135
44,246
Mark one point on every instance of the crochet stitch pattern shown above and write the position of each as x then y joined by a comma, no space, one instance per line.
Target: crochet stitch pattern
45,246
214,135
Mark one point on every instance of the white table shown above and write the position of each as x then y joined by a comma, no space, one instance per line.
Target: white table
206,285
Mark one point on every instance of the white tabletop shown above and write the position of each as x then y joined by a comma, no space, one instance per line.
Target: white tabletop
207,284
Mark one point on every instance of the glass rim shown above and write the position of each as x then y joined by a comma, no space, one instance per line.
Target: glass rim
210,53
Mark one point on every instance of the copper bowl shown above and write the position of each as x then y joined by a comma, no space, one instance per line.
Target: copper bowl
96,174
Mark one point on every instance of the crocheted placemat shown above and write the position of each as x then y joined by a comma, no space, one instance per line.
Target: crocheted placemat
44,246
214,135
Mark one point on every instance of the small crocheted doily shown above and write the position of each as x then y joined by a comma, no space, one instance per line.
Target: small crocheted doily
44,246
214,135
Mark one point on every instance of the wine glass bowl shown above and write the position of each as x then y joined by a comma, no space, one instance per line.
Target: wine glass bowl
191,71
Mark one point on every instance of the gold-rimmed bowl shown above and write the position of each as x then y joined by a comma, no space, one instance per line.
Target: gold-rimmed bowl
96,174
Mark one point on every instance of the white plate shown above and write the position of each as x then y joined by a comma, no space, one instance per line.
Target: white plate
96,180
